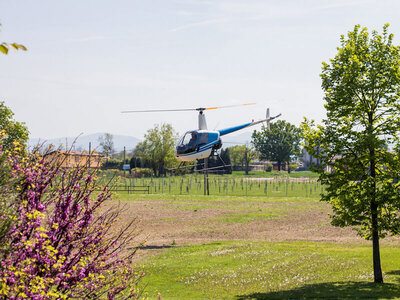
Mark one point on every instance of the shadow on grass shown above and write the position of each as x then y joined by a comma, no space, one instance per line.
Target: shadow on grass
396,273
151,247
333,290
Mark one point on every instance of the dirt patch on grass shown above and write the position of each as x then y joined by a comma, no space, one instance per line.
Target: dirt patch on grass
165,223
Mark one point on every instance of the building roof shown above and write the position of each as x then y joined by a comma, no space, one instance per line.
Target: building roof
74,153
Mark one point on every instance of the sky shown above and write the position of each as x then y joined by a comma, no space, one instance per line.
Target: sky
89,60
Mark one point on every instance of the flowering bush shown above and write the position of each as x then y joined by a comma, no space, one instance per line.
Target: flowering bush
62,243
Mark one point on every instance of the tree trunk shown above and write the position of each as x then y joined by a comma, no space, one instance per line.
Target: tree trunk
279,165
288,167
162,170
155,170
378,278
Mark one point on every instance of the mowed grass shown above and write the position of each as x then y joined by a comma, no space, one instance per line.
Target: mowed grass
271,270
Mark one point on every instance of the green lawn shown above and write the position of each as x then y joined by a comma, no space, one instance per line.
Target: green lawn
266,270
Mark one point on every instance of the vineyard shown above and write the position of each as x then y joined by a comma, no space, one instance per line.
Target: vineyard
193,184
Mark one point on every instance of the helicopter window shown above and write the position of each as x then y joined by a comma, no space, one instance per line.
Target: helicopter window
203,139
188,143
189,138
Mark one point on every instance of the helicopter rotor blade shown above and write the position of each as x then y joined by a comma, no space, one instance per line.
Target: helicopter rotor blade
227,106
158,110
186,109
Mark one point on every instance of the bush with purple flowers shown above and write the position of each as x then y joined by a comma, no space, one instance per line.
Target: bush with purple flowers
61,241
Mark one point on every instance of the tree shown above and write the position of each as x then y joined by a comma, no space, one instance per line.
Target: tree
13,132
242,156
13,137
5,47
362,91
107,143
280,143
158,148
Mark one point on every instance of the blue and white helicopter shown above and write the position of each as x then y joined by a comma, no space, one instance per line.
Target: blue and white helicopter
202,143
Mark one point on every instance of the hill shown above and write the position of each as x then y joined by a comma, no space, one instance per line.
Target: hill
82,142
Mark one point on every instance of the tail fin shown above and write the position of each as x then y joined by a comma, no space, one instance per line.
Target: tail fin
267,117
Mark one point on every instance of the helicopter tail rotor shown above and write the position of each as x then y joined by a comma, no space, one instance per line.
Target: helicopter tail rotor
269,119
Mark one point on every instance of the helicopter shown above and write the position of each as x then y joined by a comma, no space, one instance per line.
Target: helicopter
202,143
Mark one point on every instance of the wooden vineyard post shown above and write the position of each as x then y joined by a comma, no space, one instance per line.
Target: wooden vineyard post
206,188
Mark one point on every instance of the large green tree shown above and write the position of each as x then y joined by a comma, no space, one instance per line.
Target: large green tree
362,89
158,148
280,143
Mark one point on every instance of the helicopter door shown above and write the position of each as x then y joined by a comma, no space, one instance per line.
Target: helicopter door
188,143
203,139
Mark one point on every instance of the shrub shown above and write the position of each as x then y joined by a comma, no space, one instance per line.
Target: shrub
62,243
112,163
268,167
143,172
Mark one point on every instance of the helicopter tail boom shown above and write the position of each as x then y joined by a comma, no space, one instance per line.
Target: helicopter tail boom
239,127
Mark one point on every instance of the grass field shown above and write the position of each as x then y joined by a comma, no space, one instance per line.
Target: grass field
247,270
260,246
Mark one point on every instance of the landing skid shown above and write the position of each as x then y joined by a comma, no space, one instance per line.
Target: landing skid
213,168
181,166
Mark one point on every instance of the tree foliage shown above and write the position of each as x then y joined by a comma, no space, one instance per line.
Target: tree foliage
242,156
5,47
13,138
107,144
157,149
221,163
11,130
362,90
280,143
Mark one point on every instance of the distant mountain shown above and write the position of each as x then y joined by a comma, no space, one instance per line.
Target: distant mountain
82,143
